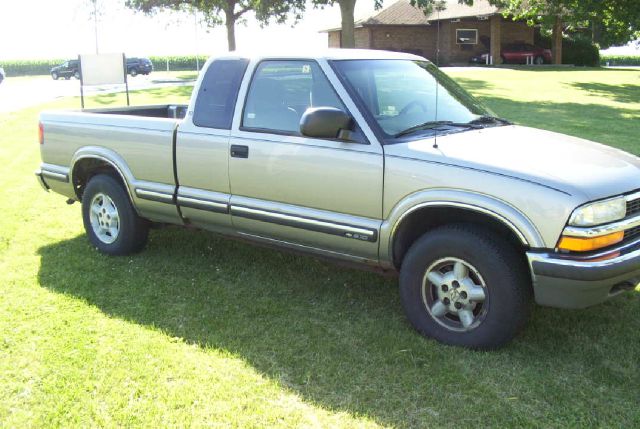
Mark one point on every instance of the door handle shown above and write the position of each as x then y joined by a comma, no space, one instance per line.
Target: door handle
239,151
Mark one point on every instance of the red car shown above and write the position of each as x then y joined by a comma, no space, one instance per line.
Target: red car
517,53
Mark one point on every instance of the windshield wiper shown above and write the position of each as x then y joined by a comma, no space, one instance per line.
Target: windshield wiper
430,125
490,120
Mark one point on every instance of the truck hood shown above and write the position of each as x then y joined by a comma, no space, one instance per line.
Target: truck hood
568,164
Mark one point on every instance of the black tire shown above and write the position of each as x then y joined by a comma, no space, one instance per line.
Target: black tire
495,263
132,231
76,75
538,60
133,72
54,76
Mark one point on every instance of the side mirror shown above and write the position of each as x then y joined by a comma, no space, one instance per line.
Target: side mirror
326,123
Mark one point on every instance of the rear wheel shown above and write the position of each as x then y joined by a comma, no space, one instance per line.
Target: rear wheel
464,287
538,60
109,218
133,72
77,75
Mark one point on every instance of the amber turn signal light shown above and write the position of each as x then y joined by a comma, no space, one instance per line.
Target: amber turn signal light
578,244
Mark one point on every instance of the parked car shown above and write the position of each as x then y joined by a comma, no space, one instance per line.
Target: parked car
66,70
372,157
136,66
517,53
2,75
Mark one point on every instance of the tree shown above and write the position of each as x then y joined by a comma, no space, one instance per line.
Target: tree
227,12
347,14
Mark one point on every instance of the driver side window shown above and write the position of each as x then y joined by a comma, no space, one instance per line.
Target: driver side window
280,93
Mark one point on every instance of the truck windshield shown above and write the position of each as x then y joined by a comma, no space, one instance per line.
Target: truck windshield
400,95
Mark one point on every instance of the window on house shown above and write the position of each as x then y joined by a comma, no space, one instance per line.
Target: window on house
466,37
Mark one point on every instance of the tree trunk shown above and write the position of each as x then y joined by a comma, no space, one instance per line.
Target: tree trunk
347,37
557,41
230,23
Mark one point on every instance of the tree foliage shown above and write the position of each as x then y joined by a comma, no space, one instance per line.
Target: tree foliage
226,12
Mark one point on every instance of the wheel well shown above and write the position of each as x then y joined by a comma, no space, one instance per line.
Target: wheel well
422,220
86,168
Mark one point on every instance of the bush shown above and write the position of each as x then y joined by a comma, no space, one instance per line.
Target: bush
29,67
41,67
576,50
580,52
620,60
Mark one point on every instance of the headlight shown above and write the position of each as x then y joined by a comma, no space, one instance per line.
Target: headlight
600,212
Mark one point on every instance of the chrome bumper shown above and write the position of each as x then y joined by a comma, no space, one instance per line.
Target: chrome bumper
573,283
41,181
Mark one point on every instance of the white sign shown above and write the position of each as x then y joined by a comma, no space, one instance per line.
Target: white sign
102,69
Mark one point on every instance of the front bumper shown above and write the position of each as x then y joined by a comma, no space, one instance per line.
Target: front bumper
572,283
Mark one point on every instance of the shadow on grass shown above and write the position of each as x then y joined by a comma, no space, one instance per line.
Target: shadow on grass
338,337
614,126
626,93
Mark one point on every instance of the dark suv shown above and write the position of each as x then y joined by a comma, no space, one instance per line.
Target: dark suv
66,70
136,66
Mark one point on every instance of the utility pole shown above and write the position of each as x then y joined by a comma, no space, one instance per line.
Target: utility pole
95,22
195,28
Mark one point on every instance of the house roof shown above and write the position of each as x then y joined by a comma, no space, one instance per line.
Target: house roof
402,13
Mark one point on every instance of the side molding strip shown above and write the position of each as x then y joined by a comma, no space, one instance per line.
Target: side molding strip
342,230
160,197
200,204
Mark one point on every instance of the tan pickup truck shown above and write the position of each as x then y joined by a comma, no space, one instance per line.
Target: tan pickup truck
372,157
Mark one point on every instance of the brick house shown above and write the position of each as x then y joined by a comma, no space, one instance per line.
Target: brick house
465,31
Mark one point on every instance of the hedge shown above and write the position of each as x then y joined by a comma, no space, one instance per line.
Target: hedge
620,60
575,50
42,67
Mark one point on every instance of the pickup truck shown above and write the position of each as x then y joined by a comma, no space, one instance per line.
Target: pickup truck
372,157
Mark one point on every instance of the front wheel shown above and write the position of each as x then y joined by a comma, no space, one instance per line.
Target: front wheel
464,287
77,75
109,218
538,60
54,76
133,72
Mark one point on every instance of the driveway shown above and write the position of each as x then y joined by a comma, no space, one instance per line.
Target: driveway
20,92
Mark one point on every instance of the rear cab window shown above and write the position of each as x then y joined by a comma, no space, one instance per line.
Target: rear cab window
218,93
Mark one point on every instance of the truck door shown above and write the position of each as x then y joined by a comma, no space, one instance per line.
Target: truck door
202,147
322,194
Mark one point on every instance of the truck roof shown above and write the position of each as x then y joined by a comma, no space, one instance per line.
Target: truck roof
328,54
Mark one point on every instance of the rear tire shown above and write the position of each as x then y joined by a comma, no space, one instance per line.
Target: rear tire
538,60
133,72
463,286
109,218
77,75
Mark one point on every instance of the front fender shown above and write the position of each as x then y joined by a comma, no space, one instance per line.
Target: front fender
510,216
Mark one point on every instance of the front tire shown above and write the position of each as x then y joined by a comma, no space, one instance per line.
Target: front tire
134,72
538,60
462,286
54,76
109,218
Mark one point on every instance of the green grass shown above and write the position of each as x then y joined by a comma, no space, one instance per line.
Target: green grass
598,104
202,331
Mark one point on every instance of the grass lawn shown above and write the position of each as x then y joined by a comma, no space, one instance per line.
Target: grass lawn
202,331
